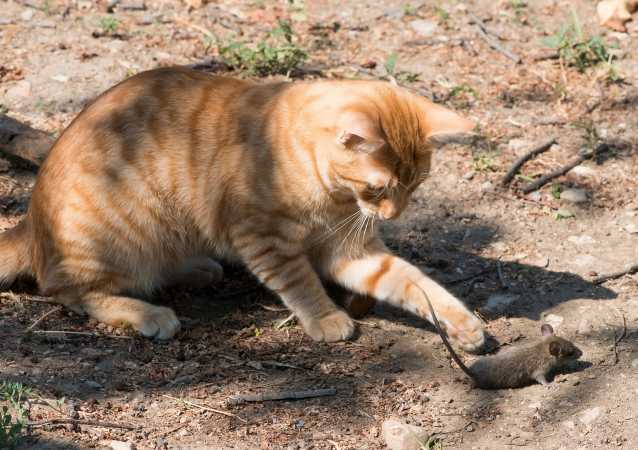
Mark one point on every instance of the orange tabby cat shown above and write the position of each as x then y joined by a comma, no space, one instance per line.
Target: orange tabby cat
173,167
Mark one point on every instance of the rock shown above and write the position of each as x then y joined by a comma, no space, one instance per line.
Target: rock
27,15
574,195
590,415
487,186
424,28
535,196
93,384
583,171
631,228
401,436
553,320
118,445
634,363
498,302
518,146
60,78
583,239
469,175
569,424
132,5
20,89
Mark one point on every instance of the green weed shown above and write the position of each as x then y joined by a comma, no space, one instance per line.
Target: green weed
576,49
11,427
405,76
109,24
278,54
483,162
556,190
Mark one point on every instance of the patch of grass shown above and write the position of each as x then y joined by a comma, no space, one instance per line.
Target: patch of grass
278,54
483,162
109,25
556,190
520,10
12,420
409,10
462,96
442,14
405,76
576,49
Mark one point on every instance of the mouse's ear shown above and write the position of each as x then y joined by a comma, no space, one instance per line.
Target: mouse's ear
547,330
554,348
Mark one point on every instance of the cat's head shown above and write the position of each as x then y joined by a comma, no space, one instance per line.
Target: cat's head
386,143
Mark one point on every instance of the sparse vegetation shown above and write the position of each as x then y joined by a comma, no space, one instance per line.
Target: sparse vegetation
14,415
403,75
109,25
576,49
277,54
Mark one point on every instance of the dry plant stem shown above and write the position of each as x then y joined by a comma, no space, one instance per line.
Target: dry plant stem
80,333
484,33
285,322
42,317
206,408
195,27
542,181
280,395
164,433
612,276
619,338
92,423
526,157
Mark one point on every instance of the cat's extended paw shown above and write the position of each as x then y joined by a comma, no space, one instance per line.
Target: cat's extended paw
465,329
158,322
336,326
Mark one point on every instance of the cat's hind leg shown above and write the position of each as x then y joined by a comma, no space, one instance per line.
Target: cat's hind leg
197,272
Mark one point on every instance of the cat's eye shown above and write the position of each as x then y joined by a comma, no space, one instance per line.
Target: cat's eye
376,191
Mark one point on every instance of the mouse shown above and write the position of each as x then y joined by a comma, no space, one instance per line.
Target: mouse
516,366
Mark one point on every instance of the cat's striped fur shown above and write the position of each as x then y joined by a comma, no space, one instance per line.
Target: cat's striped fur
173,167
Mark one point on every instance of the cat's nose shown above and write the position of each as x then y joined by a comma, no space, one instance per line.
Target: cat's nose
388,211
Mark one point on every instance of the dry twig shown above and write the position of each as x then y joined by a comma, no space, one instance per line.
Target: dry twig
285,322
484,33
280,395
206,408
542,181
612,276
617,339
526,157
42,317
93,423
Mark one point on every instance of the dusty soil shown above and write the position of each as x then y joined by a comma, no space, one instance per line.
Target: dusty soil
529,265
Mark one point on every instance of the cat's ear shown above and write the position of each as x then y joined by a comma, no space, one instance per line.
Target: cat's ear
547,330
444,126
358,133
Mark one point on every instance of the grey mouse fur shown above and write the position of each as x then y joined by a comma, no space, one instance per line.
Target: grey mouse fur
517,366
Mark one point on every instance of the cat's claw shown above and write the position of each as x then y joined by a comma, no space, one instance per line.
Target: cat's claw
467,330
336,326
159,323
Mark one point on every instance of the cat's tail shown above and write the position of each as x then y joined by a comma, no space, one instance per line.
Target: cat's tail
15,253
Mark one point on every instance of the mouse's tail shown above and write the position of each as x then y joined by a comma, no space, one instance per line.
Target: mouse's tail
443,336
15,252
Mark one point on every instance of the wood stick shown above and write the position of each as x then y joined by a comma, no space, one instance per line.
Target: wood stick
526,157
280,395
619,338
284,322
206,408
484,33
542,181
93,423
612,276
42,317
80,333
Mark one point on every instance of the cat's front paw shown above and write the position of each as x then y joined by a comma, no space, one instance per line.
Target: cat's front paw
336,326
158,322
465,329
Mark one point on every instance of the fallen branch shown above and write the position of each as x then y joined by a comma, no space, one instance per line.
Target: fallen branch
542,181
80,333
206,408
285,322
42,317
612,276
92,423
484,33
526,157
619,338
280,395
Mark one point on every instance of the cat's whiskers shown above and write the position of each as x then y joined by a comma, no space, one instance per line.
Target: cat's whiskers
353,227
332,231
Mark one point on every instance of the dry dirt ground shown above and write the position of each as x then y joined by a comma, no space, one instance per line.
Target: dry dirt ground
516,260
